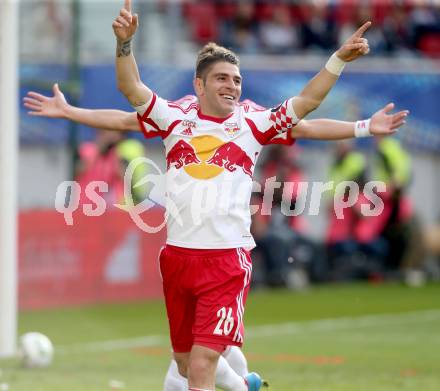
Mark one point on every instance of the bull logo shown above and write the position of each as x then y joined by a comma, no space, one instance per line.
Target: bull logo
181,154
231,156
207,156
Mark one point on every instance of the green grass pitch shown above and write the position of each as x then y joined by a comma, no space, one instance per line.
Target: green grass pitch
337,338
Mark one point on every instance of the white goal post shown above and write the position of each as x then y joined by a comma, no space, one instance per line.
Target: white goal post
9,37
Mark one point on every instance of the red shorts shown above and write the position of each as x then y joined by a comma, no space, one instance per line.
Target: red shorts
205,293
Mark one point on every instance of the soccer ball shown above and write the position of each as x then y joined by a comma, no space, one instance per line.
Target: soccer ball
36,350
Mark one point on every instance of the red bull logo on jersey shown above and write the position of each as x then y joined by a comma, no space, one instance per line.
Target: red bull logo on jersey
205,157
231,157
181,154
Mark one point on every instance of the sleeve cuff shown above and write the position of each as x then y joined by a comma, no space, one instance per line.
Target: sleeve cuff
145,109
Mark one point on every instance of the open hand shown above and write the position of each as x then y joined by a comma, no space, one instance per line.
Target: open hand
45,106
125,25
383,123
355,46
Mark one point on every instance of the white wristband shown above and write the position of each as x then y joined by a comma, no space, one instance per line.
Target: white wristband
335,65
362,128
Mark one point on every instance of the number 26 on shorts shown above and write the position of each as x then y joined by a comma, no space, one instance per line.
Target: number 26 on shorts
225,323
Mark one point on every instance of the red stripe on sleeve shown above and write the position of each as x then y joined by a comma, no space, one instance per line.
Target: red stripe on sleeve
266,138
147,134
150,107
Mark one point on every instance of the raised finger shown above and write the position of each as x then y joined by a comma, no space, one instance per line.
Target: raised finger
361,30
127,5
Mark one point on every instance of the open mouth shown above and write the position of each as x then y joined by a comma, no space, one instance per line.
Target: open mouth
227,97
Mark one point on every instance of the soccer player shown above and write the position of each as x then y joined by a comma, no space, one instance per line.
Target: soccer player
206,266
58,107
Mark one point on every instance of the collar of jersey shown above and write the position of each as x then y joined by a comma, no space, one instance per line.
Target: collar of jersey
213,119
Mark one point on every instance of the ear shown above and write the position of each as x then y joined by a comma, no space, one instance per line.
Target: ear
199,86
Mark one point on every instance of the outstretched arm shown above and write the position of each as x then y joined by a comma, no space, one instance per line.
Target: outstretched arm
316,89
58,107
381,123
127,73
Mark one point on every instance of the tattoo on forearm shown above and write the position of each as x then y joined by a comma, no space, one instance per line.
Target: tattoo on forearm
123,49
138,103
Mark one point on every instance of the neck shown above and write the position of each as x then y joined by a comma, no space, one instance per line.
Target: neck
210,112
215,118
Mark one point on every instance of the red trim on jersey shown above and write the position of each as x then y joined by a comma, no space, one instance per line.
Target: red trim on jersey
147,133
149,121
150,107
218,120
185,98
265,138
289,141
213,119
192,106
262,137
142,119
159,132
170,128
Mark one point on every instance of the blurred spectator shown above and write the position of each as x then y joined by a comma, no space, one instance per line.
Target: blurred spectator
355,249
425,22
392,165
240,32
281,27
129,149
106,160
99,161
203,21
397,30
283,164
318,29
278,35
288,257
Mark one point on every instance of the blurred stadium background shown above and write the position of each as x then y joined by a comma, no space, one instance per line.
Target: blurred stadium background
66,274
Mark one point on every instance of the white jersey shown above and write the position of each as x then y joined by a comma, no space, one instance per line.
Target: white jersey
210,164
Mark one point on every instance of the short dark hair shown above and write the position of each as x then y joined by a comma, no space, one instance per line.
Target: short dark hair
210,54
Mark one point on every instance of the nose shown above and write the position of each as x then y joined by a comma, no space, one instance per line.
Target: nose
230,84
